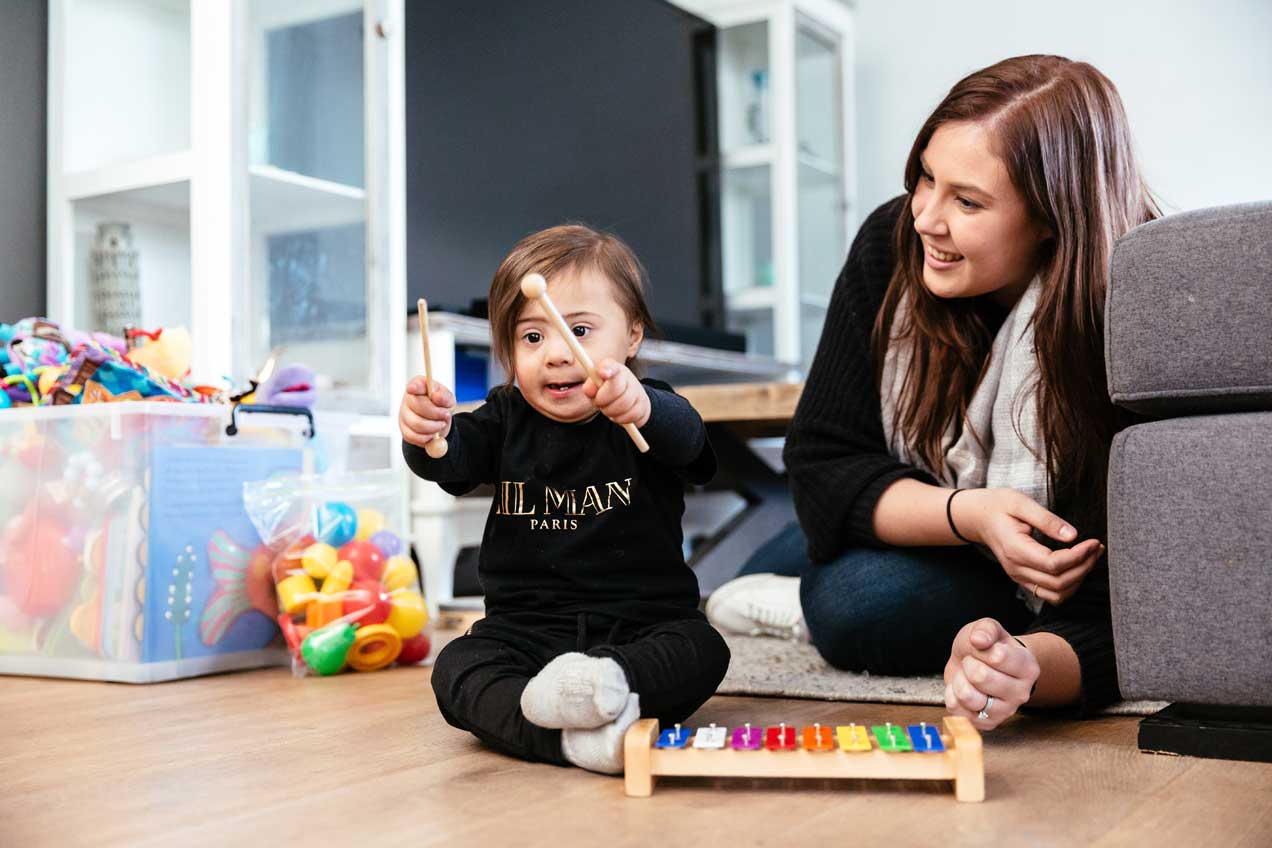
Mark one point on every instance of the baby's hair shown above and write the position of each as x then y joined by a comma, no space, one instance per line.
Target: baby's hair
568,248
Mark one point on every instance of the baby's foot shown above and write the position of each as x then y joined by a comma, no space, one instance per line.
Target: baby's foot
601,749
575,691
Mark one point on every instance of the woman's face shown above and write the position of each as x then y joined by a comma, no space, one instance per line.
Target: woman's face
978,236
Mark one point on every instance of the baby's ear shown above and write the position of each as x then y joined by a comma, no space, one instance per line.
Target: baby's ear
636,335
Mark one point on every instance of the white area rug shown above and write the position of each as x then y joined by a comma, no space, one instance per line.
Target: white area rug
779,668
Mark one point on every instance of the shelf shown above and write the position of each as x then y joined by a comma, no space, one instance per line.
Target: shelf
284,201
817,167
751,299
750,156
160,181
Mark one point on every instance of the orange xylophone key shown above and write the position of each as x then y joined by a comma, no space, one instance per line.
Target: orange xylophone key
818,738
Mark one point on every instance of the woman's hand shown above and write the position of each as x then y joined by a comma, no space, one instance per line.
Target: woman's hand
621,398
1002,520
986,662
421,416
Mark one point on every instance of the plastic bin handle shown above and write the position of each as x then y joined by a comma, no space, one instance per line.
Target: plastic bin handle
268,409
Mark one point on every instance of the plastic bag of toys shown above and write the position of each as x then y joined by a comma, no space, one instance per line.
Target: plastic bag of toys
348,592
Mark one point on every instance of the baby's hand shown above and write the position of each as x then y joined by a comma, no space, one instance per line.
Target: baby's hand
421,417
621,398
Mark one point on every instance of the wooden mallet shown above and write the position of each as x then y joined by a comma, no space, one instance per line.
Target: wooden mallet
437,447
534,287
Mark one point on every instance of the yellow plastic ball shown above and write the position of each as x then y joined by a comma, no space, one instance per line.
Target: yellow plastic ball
408,614
318,560
370,522
340,578
399,573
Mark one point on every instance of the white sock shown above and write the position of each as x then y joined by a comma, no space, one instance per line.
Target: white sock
575,691
601,749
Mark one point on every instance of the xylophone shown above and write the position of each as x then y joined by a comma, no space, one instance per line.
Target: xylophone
887,751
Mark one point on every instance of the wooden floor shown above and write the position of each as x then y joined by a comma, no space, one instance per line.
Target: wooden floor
365,760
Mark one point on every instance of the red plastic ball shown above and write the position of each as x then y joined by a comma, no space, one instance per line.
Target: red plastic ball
414,650
40,568
367,559
363,594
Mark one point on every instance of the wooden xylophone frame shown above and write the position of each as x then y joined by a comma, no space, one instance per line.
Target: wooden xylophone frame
961,761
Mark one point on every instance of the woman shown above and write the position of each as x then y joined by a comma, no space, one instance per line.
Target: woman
956,409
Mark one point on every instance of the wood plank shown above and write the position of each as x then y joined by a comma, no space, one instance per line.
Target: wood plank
746,403
367,758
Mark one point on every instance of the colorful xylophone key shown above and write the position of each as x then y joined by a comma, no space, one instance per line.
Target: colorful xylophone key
673,737
710,737
818,738
747,738
925,738
854,737
780,738
891,738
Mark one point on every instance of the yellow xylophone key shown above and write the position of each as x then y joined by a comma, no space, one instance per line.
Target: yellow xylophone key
853,737
818,738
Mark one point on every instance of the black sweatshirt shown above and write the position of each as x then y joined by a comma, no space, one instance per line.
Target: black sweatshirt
839,465
581,521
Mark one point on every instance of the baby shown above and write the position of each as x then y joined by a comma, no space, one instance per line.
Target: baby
591,612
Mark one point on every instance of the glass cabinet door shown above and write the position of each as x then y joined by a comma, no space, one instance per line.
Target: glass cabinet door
821,187
309,279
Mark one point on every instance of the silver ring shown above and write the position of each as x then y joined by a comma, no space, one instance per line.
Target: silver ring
989,704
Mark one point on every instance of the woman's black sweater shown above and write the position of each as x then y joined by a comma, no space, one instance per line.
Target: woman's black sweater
839,465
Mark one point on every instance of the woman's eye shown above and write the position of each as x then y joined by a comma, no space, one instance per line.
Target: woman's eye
968,204
532,337
581,331
925,176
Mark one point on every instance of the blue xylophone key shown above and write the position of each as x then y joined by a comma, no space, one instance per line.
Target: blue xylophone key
673,737
925,738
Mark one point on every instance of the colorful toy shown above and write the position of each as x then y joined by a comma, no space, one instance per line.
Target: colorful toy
294,592
388,543
399,573
339,577
335,524
318,560
415,650
41,568
368,561
921,751
242,583
374,647
407,612
292,385
370,522
324,650
368,602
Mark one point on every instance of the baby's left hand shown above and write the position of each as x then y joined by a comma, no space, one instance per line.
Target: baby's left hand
621,398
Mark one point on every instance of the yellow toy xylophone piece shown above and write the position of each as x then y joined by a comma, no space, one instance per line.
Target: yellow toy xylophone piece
853,737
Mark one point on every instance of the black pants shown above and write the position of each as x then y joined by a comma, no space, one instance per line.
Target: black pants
674,666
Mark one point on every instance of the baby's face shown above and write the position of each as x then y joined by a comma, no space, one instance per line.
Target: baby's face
549,375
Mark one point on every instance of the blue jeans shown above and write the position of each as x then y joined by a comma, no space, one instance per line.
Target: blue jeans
891,610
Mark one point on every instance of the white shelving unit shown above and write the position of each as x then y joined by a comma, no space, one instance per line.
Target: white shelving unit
213,128
785,92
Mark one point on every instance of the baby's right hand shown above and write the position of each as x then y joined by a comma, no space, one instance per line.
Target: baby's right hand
422,417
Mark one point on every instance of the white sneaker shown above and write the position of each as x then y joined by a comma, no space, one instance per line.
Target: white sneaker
759,605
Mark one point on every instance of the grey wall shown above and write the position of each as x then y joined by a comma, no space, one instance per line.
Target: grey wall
23,87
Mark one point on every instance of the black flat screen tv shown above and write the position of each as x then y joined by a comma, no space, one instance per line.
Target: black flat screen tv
522,115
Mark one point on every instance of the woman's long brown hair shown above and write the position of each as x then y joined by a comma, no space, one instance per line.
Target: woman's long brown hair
1060,130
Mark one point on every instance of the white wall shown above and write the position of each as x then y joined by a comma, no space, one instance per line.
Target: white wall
1196,78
